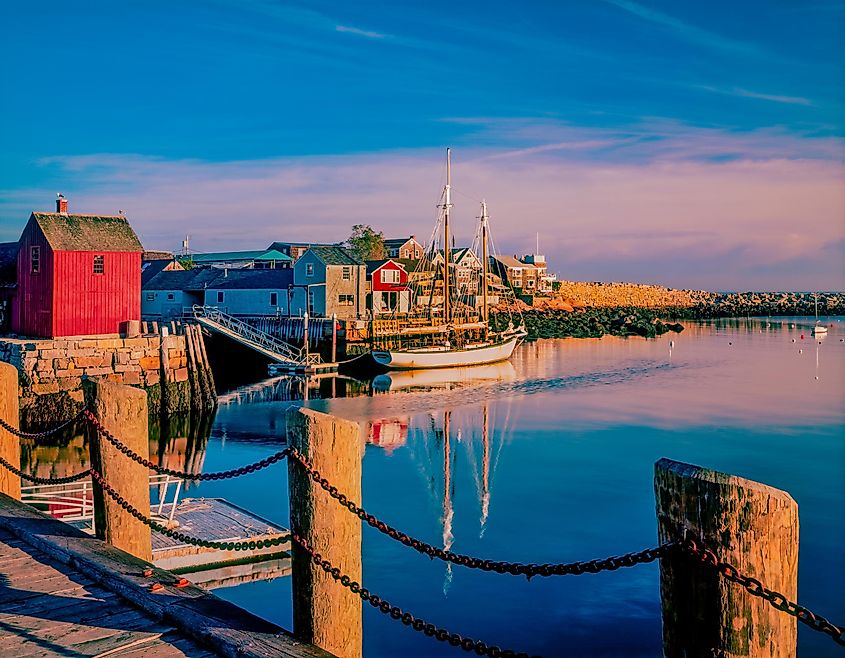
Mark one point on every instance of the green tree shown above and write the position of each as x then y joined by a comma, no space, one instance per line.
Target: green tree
366,244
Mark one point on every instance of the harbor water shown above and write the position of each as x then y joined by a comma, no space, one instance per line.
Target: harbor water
549,458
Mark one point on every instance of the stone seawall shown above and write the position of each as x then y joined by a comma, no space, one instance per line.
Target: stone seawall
616,295
50,372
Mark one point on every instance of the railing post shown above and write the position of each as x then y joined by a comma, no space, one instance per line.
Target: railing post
750,525
10,445
123,411
324,612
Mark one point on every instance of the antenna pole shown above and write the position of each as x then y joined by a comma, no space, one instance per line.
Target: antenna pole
447,252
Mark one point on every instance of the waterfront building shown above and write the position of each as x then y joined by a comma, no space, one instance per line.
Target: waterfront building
407,248
153,262
75,275
172,294
329,280
263,259
388,287
529,274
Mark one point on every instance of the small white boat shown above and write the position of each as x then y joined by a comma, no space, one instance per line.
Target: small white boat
444,356
819,329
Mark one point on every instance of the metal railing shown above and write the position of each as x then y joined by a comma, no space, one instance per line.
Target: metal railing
74,503
250,334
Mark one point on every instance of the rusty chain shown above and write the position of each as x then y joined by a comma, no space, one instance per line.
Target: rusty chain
49,432
420,625
512,568
179,536
688,545
37,480
754,587
220,475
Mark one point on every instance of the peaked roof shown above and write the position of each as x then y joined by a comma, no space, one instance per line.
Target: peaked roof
87,232
374,265
336,256
510,261
201,278
149,268
398,242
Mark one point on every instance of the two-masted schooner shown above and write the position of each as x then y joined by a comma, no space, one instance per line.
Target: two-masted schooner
456,334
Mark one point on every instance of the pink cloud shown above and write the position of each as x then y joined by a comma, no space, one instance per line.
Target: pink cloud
658,210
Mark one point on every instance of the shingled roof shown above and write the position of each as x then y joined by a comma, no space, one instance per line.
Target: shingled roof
336,256
201,278
87,232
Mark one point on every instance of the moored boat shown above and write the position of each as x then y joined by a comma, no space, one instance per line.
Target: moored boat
447,340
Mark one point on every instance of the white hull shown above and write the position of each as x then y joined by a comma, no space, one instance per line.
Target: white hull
819,330
443,378
444,357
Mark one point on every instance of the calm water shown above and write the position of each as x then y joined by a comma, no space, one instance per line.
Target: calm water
563,473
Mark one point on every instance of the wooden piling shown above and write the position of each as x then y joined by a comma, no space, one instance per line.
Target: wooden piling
334,338
10,445
324,612
123,411
207,374
747,524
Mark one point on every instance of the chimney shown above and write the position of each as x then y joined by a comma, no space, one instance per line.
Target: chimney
61,204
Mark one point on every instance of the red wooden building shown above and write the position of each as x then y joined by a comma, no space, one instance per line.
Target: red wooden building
389,286
76,275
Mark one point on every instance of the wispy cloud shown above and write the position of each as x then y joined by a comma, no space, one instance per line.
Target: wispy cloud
347,29
685,30
665,213
747,93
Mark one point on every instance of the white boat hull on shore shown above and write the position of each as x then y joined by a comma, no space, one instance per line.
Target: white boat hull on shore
446,357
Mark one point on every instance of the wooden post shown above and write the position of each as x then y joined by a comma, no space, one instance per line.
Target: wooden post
748,524
305,334
10,445
324,612
123,411
334,337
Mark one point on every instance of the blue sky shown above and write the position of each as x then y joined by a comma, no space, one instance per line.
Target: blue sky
242,122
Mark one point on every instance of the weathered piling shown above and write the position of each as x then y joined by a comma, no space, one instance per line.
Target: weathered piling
10,445
324,613
750,525
208,376
123,411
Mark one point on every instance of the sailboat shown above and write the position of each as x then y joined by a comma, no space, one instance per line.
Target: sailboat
819,329
450,340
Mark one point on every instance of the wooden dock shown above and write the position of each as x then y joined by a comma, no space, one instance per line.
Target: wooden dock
43,604
215,519
65,593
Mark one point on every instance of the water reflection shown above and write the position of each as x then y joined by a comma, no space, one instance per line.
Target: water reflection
178,442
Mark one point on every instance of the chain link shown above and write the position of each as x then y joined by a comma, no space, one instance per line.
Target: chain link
395,612
45,433
512,568
756,588
199,477
247,544
37,480
441,634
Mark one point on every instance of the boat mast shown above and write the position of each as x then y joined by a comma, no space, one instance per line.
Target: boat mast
484,311
447,252
485,469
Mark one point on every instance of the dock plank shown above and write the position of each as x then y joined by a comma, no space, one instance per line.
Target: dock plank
175,622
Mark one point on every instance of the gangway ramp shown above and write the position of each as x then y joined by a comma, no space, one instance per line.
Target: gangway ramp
238,330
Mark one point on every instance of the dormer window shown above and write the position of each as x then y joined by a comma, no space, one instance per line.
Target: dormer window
35,260
99,265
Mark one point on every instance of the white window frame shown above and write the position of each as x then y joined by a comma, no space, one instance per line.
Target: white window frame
309,269
390,276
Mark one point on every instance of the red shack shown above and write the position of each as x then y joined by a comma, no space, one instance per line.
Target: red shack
389,286
76,275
